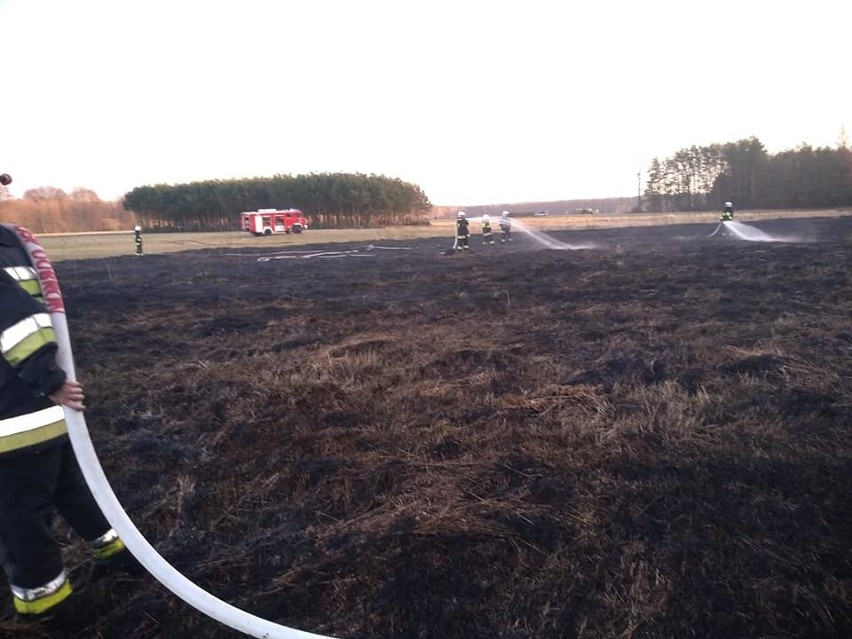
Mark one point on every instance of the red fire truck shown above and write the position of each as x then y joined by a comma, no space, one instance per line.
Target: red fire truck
269,221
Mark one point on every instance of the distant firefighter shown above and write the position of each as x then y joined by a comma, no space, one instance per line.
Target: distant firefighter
506,227
728,212
137,237
487,235
462,232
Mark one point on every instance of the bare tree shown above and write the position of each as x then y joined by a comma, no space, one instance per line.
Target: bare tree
44,193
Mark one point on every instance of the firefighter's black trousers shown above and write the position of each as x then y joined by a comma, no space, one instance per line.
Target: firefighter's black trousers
31,486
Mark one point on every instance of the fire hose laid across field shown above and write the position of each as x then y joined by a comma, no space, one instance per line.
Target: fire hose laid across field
306,255
198,598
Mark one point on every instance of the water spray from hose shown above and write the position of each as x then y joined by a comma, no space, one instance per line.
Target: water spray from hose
748,233
549,242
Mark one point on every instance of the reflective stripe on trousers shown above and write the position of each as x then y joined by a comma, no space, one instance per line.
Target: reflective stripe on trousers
106,545
38,600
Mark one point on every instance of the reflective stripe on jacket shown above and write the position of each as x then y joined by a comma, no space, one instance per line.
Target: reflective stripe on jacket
25,337
32,429
27,279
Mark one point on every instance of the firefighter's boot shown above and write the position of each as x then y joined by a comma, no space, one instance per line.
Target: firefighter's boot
122,563
61,621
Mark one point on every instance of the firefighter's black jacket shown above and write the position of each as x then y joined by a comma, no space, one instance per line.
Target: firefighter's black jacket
28,373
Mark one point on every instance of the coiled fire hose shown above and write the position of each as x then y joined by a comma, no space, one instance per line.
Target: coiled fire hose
159,568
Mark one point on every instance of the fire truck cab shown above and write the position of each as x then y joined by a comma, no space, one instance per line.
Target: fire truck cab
269,221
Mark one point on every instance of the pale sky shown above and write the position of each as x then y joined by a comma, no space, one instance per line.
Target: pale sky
478,102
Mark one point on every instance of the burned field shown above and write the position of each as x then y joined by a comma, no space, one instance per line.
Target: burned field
646,439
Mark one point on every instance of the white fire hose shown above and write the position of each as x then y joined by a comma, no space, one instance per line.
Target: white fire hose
159,568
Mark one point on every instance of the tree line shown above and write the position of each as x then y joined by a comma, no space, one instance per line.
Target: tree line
329,200
48,209
697,178
702,178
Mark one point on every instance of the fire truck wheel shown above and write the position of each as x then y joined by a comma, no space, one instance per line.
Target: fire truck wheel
268,232
297,228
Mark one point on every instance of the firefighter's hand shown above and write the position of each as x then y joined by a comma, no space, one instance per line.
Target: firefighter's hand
70,394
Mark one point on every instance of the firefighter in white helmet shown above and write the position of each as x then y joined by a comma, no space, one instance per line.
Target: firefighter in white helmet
137,238
487,235
462,232
506,227
728,212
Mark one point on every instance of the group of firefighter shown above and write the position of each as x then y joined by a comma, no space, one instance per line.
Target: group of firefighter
463,227
463,230
39,472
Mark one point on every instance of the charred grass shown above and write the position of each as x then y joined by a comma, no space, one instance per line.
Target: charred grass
650,439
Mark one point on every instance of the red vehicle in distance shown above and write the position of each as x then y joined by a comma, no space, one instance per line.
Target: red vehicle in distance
269,221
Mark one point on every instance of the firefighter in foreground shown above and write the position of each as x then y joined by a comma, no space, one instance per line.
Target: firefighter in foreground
487,235
462,232
728,212
38,468
506,227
